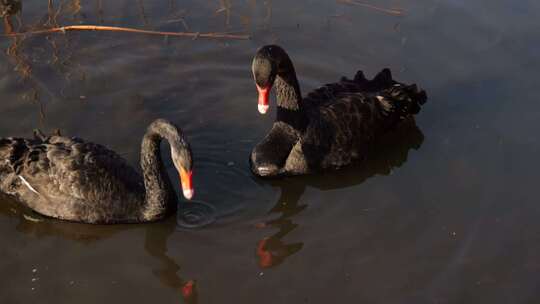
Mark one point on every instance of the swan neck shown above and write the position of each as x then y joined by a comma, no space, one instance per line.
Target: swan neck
286,86
289,98
160,196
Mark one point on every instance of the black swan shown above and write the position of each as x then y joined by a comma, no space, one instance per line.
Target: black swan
330,127
74,180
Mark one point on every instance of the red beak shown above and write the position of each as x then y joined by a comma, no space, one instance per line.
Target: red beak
263,99
189,290
187,183
266,259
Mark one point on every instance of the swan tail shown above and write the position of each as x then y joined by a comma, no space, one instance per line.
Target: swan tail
38,135
12,151
360,78
402,99
381,81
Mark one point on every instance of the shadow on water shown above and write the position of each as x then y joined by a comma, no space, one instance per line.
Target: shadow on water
155,241
387,154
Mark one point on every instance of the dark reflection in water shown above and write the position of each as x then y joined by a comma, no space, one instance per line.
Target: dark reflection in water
155,240
272,250
156,245
35,225
386,155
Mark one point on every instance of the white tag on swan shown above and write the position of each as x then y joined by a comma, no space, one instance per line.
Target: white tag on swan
27,184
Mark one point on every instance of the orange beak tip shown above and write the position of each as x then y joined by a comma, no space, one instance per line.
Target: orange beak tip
189,193
186,179
263,108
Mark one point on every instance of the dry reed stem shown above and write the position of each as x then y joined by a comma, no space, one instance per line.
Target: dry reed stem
395,12
64,29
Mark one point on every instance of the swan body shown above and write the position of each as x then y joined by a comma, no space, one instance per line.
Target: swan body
75,180
332,126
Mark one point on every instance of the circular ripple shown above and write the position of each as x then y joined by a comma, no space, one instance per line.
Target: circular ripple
195,214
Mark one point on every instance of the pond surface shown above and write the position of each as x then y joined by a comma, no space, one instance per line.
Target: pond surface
445,212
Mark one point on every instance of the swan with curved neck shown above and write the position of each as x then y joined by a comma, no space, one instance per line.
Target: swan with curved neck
332,126
74,180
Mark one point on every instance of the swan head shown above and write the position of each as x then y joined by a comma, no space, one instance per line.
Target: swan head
264,68
183,162
180,151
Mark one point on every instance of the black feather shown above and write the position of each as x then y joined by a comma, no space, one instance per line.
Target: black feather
71,179
332,126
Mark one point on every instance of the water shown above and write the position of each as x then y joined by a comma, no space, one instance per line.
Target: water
445,212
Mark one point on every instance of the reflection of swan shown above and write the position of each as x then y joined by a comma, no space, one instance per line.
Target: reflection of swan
36,225
272,250
79,181
329,128
155,243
